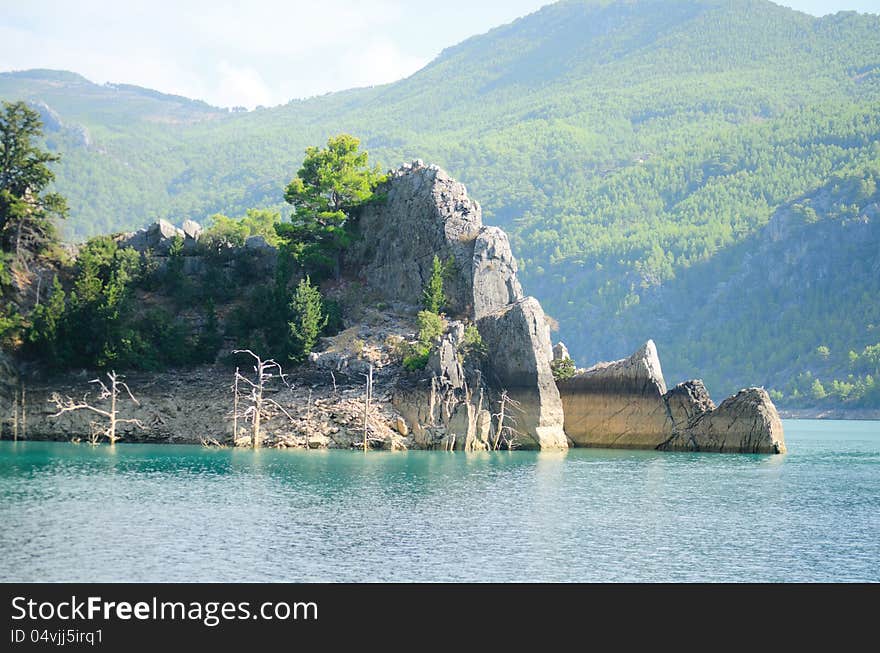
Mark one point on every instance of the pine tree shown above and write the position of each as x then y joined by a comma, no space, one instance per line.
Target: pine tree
308,318
27,212
435,298
331,182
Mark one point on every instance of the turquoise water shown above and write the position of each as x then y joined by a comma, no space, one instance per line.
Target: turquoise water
169,513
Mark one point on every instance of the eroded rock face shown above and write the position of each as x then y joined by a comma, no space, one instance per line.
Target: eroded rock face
619,404
426,214
744,423
518,342
8,392
495,281
688,401
625,404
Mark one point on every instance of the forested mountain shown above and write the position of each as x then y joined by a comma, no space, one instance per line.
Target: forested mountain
636,150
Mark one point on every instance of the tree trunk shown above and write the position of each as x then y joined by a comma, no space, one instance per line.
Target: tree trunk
23,413
258,414
111,432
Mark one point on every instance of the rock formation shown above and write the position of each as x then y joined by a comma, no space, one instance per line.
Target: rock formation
425,214
625,404
158,237
518,341
560,352
494,270
744,423
8,394
618,404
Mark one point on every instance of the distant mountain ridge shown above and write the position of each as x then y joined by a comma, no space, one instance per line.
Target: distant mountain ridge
621,143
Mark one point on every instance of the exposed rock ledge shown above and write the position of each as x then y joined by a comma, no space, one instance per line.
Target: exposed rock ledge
625,404
426,213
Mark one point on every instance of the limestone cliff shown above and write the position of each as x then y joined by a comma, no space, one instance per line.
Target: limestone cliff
625,404
9,395
425,214
618,404
519,350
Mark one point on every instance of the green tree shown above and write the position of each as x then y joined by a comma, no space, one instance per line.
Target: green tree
563,369
225,231
27,210
431,327
435,297
47,322
210,340
331,183
307,318
817,390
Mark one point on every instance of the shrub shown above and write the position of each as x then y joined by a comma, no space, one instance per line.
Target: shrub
418,359
563,369
473,344
431,327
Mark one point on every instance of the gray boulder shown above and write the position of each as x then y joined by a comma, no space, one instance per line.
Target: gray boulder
517,339
688,401
192,231
258,243
560,352
444,364
157,237
744,423
495,283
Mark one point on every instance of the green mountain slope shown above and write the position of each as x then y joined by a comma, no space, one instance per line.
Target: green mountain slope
628,146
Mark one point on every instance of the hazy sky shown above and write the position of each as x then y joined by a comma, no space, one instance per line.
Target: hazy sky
257,52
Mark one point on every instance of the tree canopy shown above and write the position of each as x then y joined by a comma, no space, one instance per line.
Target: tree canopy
331,183
27,210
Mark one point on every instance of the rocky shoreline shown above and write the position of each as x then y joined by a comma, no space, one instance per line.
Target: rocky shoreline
505,398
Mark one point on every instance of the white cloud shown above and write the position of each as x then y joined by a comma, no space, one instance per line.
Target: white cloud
379,63
241,86
227,52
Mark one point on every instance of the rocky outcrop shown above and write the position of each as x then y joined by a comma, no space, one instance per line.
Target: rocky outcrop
518,342
560,352
744,423
686,402
625,405
9,388
494,271
192,231
425,214
158,237
619,404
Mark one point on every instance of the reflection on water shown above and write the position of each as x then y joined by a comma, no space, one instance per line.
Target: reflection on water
154,513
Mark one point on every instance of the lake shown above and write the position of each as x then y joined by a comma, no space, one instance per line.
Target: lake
175,513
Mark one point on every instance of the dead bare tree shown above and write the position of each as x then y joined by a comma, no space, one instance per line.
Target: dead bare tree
23,412
506,433
113,392
367,401
260,407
